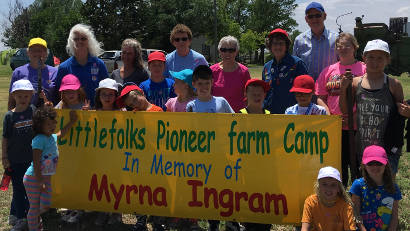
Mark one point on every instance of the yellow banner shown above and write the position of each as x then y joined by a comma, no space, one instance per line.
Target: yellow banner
253,168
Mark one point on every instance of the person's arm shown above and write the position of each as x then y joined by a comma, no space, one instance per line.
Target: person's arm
321,101
356,211
404,109
345,82
305,226
37,167
4,157
394,216
67,127
397,90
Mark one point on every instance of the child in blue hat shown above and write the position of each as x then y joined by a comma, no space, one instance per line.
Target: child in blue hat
183,89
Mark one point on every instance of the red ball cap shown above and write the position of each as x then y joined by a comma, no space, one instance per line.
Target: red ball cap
126,90
156,55
259,82
280,31
303,84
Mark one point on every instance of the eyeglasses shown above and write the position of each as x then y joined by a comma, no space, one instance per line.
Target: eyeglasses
282,43
374,163
229,50
311,16
81,38
181,39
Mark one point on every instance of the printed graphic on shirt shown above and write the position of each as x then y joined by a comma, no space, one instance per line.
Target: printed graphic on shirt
333,84
24,126
373,112
49,164
158,96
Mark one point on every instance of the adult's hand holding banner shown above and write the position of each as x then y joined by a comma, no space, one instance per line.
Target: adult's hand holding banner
243,167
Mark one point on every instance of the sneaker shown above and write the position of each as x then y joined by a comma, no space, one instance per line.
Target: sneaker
67,215
75,216
20,225
12,220
114,218
101,218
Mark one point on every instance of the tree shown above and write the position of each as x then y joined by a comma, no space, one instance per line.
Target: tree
16,27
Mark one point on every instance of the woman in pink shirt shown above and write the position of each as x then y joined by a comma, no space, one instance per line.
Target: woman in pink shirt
328,88
229,76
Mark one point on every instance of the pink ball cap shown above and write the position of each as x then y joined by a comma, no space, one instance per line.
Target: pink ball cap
70,82
374,153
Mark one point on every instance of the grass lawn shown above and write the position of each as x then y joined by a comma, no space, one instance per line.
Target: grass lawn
403,177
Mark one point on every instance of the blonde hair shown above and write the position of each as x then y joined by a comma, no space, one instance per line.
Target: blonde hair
350,38
134,44
81,97
94,47
342,193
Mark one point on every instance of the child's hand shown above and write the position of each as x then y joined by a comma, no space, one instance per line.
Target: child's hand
48,104
5,162
73,116
86,106
404,109
346,81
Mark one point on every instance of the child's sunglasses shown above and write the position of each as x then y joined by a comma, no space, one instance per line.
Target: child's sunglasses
229,50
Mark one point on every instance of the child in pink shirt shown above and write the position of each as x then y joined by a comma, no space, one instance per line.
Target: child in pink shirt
184,90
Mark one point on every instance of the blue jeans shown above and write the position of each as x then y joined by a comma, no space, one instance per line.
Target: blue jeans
19,202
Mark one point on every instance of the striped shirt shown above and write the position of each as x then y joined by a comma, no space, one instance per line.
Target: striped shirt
316,53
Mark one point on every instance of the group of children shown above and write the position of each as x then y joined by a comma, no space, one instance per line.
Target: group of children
29,141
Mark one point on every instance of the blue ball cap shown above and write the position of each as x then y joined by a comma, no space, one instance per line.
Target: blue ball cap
315,5
184,75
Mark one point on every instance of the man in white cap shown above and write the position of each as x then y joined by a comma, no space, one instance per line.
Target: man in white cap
36,51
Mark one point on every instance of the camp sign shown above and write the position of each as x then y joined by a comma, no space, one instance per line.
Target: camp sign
242,167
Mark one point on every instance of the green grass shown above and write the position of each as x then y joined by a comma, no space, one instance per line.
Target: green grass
403,177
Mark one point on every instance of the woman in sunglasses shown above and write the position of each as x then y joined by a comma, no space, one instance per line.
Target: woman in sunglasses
183,57
280,72
229,76
83,48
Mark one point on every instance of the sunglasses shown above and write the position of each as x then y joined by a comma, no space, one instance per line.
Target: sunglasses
229,50
181,39
374,163
311,16
82,39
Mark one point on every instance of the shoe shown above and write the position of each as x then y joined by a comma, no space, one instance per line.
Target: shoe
20,225
139,227
75,216
12,220
67,215
114,218
101,219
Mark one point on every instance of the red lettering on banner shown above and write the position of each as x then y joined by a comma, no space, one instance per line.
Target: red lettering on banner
158,196
228,199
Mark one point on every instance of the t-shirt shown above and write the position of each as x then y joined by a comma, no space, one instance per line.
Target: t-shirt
137,77
158,93
176,63
48,80
155,108
215,105
328,84
89,75
49,154
312,109
18,129
376,204
230,85
322,218
173,105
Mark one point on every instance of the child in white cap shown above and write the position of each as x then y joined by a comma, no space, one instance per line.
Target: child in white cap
330,208
16,148
106,94
376,96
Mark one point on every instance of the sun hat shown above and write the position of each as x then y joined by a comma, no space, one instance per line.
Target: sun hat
37,41
315,5
377,45
329,172
127,89
156,55
70,82
22,85
184,75
108,84
259,82
303,84
374,153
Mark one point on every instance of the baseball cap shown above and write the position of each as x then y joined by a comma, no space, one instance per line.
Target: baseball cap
37,41
329,172
377,45
156,55
184,75
314,5
127,89
108,83
70,82
374,153
303,84
280,31
22,85
259,82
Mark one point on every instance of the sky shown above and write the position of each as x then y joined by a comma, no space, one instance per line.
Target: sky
374,11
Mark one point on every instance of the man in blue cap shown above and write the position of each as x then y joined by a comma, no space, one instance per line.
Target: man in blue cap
316,47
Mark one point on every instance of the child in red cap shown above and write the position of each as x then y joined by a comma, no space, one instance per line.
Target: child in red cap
303,87
375,196
133,99
255,93
157,88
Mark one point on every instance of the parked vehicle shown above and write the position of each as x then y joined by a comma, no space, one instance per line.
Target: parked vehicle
144,53
20,58
110,59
